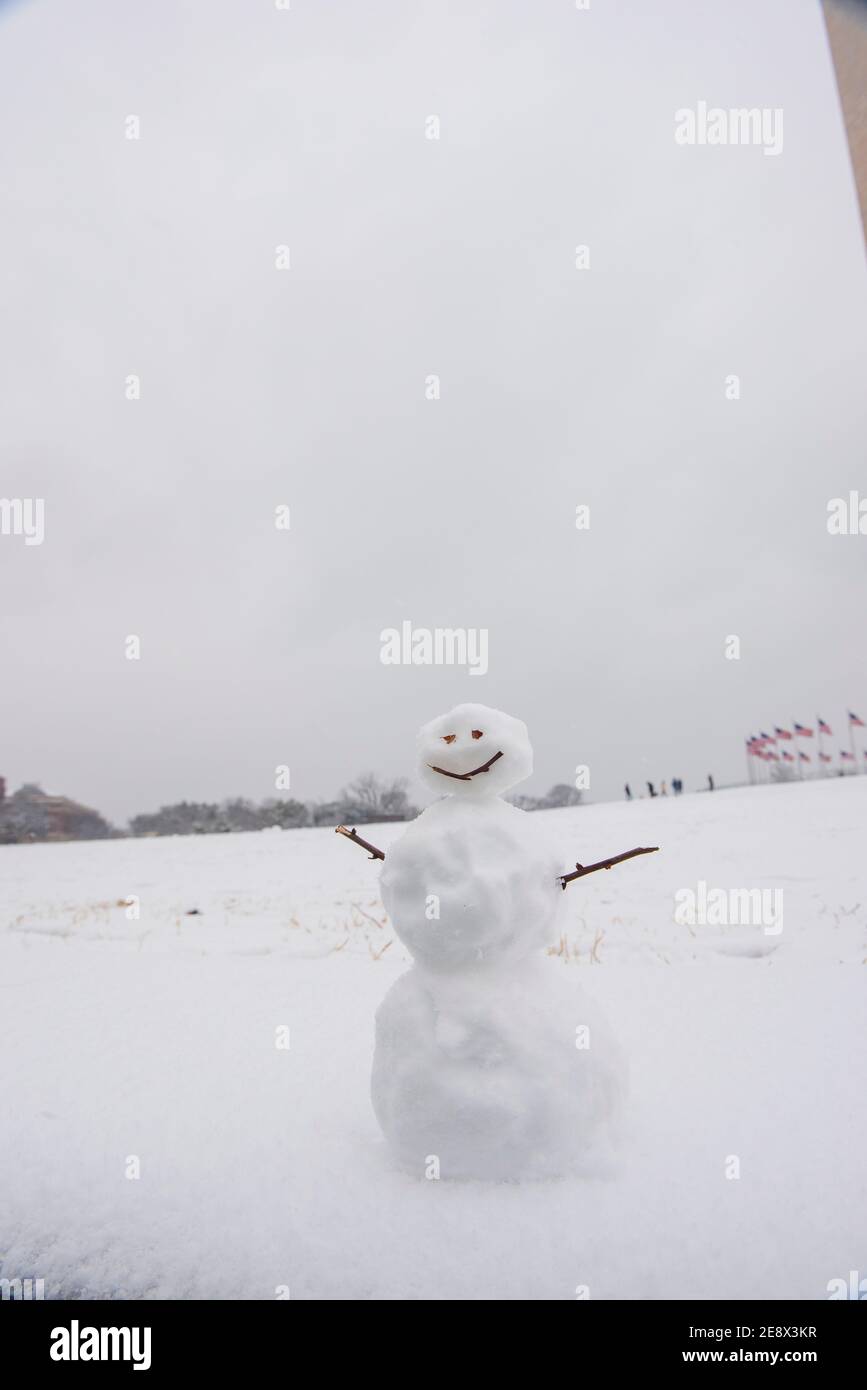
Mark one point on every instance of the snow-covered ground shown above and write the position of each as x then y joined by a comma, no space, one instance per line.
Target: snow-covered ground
262,1167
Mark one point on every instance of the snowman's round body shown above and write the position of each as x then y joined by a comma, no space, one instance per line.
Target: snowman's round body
471,883
489,1060
505,1074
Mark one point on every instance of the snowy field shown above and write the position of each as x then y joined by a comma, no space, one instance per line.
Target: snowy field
263,1167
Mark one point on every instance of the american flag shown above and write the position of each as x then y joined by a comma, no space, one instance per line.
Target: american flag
823,727
826,757
768,738
855,721
844,754
789,757
782,733
802,732
805,757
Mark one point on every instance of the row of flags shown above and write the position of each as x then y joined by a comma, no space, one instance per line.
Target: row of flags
770,748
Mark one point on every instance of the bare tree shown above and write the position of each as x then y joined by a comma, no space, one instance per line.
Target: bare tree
368,799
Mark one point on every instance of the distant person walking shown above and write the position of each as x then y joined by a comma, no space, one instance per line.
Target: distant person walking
650,789
709,782
628,792
663,790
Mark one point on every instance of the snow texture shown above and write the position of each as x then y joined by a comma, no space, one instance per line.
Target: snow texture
263,1167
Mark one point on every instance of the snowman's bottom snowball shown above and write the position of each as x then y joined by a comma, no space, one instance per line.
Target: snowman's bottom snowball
482,1072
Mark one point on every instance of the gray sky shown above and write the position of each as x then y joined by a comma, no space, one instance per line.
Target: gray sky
306,387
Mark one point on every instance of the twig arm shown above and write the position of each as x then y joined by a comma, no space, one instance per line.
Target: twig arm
581,869
365,844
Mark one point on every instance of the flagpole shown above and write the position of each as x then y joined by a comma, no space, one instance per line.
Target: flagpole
796,736
852,739
819,759
769,758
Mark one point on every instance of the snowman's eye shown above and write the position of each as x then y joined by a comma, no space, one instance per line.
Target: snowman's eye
477,733
449,738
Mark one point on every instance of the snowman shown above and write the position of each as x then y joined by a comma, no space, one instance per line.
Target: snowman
490,1062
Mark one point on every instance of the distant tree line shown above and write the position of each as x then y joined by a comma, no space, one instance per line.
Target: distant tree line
214,818
363,802
366,801
31,814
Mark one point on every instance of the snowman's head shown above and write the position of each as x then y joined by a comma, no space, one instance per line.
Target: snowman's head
474,752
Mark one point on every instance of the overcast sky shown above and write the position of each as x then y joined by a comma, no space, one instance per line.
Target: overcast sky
306,387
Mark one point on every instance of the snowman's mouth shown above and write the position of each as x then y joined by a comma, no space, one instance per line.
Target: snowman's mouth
466,776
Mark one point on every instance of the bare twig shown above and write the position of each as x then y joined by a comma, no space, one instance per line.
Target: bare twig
467,776
357,840
582,869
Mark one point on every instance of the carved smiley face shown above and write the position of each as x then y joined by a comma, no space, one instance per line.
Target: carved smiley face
474,752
